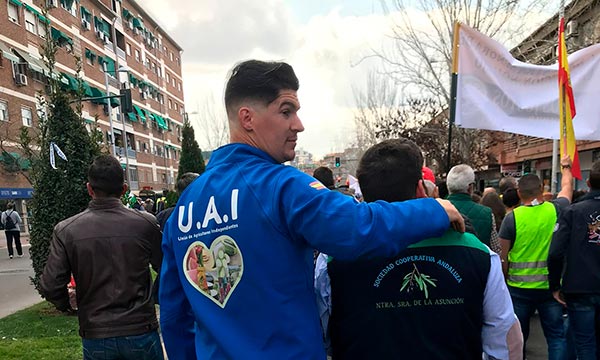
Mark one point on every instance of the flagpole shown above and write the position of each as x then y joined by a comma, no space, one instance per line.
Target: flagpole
453,87
555,143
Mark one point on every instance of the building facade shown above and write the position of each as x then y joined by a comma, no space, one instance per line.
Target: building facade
120,46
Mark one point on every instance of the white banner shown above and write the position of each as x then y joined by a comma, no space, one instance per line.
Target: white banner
497,92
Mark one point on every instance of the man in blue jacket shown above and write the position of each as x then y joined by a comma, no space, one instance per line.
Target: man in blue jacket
238,255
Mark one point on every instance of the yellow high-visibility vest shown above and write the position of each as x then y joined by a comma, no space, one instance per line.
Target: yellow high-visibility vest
527,260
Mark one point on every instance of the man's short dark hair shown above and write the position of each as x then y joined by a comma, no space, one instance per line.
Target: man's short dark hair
258,80
595,175
510,198
325,176
530,186
105,175
185,180
507,182
390,170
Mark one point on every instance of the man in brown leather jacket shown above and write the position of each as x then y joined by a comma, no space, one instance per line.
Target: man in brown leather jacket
108,248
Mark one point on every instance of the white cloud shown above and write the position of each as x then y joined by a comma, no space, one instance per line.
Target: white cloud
328,53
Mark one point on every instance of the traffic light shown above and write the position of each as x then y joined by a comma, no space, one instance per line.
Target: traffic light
526,167
337,162
126,103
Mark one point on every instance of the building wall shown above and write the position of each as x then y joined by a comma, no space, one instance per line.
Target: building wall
154,152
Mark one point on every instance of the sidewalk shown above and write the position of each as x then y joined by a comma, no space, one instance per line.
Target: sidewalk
24,240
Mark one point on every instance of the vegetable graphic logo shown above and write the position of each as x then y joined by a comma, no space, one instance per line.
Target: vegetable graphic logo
417,279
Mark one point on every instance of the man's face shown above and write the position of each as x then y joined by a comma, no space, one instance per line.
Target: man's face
276,126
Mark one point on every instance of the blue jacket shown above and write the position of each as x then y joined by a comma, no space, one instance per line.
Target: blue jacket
237,273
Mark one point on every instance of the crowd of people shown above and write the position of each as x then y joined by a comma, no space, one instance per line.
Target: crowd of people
403,273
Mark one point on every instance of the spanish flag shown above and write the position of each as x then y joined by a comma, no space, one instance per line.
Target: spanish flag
566,104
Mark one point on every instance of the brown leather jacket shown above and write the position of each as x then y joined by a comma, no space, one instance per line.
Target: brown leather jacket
108,248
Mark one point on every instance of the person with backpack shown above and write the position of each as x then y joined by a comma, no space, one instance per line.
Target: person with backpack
11,220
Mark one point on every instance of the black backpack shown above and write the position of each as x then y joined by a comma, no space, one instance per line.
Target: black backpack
9,223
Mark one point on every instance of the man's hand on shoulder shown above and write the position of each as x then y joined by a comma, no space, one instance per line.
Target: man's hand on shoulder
456,219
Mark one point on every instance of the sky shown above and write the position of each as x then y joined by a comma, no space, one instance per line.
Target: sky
326,41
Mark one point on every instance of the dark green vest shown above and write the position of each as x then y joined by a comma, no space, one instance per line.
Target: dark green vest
480,216
426,303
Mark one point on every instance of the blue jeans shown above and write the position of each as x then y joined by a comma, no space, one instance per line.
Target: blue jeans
138,347
525,302
584,315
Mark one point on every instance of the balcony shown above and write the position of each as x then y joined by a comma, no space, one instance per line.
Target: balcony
130,152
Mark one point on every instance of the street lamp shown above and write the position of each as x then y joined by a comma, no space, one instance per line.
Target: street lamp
110,119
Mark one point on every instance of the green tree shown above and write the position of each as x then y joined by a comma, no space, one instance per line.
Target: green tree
191,159
58,193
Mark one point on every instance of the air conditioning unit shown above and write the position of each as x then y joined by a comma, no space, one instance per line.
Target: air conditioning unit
85,24
21,79
571,29
52,3
99,34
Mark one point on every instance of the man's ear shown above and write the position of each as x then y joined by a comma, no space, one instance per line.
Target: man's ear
245,116
421,192
90,189
125,187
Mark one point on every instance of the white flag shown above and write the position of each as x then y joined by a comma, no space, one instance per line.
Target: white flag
497,92
54,147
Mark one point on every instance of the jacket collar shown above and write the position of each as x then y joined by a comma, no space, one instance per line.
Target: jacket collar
105,203
460,197
234,153
593,194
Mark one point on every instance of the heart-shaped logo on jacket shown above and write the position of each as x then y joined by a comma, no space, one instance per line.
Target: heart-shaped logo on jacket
214,271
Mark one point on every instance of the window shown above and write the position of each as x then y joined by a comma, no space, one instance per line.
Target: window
170,104
168,77
176,107
27,116
178,63
128,49
42,31
31,22
70,6
171,55
137,55
13,12
3,110
178,86
173,81
38,76
86,18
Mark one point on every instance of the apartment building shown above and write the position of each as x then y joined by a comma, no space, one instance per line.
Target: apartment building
119,45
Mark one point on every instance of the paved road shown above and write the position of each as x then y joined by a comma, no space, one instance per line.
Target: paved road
536,345
17,292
